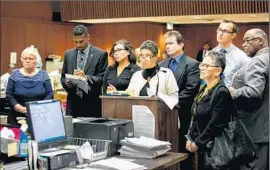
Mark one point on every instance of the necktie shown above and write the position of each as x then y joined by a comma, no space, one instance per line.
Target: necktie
223,51
172,65
81,60
222,76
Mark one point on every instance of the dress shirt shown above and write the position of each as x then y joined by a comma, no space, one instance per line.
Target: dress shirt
174,63
235,59
82,57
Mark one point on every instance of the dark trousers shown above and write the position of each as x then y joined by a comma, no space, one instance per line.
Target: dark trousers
185,118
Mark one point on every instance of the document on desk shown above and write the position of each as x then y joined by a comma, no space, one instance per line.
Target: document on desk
143,120
117,164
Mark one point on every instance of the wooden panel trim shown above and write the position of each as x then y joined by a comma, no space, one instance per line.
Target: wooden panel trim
75,10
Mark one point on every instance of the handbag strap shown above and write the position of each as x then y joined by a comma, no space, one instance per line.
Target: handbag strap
234,114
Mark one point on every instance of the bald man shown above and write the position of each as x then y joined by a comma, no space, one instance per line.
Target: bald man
250,90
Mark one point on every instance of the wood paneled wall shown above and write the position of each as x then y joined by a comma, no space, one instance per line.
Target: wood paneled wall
74,10
17,34
104,35
196,35
30,10
32,26
19,30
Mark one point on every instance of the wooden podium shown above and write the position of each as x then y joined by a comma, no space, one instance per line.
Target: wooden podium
166,120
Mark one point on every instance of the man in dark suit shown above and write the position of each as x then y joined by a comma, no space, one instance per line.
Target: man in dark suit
250,91
187,75
89,62
203,51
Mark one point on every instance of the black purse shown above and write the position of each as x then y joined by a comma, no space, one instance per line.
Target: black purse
232,147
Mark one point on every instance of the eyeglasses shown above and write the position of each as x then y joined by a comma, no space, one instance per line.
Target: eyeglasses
219,30
249,39
205,66
145,57
118,50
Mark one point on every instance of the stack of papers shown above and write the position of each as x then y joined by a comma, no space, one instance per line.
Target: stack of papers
143,147
18,165
116,164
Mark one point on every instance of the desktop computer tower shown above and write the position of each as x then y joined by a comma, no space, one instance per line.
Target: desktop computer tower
105,129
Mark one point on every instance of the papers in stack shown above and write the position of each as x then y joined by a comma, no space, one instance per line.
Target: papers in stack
118,93
117,164
143,147
18,165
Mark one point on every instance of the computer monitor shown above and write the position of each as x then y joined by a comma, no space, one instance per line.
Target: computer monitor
46,121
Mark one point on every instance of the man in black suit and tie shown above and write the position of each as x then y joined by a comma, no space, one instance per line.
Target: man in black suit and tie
187,75
89,62
203,51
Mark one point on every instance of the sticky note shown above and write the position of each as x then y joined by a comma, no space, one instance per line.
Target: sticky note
12,149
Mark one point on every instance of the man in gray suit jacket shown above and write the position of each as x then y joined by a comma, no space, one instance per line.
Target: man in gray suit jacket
89,62
250,90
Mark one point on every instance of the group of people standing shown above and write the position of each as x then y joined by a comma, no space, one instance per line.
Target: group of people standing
240,79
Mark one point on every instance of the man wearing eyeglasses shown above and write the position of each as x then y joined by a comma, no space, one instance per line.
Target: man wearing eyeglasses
89,62
250,91
235,58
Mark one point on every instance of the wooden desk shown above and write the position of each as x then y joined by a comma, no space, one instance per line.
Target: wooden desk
171,159
166,120
165,161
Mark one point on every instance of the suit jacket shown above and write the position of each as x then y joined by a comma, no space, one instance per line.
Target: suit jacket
166,83
199,56
251,95
212,113
187,76
89,105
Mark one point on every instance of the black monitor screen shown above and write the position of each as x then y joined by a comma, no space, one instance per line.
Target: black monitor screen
46,121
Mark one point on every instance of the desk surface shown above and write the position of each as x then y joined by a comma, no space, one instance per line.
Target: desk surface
162,162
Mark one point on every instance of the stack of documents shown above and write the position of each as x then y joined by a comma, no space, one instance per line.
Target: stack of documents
19,165
116,164
143,147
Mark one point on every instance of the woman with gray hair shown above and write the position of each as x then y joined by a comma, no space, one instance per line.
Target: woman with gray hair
157,79
27,84
212,107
